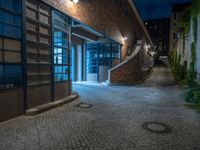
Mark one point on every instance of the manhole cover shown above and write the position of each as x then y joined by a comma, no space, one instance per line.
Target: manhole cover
157,127
84,105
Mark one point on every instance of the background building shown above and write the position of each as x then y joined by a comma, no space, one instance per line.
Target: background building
178,10
159,32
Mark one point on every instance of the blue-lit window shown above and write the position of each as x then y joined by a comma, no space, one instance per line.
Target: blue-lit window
61,73
60,55
60,38
10,18
92,58
10,76
12,5
10,44
102,54
61,47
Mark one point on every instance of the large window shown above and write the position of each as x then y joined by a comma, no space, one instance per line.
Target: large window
92,58
102,54
61,47
10,18
10,44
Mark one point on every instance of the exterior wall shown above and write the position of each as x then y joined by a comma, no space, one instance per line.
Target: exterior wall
186,54
38,95
98,15
198,48
61,90
11,103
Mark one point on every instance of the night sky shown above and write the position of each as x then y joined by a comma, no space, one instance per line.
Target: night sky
154,9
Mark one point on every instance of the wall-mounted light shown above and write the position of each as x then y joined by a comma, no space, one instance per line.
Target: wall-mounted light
75,1
125,38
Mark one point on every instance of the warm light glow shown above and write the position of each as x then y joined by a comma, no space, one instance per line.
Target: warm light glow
125,38
75,1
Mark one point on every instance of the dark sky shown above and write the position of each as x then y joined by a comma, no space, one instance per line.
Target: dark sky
154,9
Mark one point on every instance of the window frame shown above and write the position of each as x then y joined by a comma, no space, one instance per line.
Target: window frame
11,71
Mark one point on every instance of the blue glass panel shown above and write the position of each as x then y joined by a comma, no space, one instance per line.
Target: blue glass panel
64,58
9,18
1,29
13,75
58,69
11,31
14,5
65,69
65,77
60,39
1,16
58,77
1,71
58,59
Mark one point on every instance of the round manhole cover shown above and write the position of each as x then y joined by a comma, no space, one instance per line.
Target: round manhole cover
84,105
157,127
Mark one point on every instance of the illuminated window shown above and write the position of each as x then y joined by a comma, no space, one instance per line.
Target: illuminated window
61,47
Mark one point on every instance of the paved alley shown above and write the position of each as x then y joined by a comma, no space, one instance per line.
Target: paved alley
113,122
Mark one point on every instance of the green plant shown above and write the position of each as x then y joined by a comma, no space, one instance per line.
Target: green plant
188,78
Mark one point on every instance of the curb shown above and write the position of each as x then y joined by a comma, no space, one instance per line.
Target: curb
48,106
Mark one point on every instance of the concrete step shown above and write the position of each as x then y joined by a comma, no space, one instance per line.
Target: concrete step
48,106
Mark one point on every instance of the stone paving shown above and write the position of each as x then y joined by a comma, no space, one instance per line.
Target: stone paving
114,122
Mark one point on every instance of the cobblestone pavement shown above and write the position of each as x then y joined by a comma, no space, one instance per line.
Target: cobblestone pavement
114,122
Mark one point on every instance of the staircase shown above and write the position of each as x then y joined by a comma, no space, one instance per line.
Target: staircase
131,70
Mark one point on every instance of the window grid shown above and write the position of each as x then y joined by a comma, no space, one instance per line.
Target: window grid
61,47
101,54
10,44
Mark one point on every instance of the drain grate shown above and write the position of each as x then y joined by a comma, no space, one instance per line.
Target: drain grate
84,105
157,127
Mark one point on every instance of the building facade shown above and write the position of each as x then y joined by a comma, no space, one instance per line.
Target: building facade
47,44
178,11
159,32
182,45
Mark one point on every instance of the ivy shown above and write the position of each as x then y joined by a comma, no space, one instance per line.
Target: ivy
192,93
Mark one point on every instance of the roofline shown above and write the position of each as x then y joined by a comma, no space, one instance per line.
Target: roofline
140,21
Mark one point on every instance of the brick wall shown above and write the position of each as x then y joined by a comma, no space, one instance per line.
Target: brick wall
105,16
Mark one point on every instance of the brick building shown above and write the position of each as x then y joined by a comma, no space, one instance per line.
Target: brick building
45,44
159,32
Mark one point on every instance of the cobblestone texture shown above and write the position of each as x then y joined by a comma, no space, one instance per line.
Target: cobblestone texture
114,122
